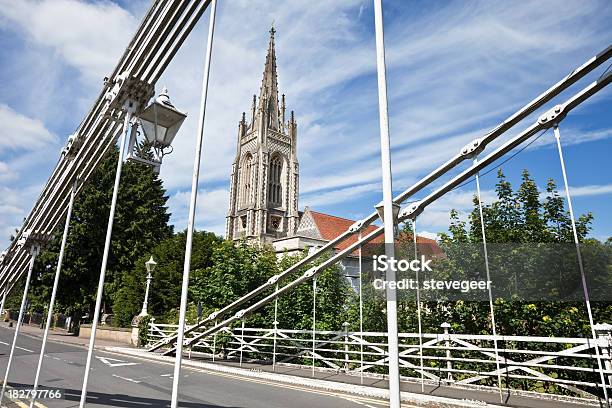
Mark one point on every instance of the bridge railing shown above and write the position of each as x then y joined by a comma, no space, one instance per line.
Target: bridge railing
556,365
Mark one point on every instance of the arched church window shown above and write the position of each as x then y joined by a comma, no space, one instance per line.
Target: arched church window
247,172
274,185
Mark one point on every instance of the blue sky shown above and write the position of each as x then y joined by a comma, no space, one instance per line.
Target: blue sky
455,70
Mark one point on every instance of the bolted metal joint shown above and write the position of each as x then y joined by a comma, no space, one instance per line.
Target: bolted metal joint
411,212
356,227
273,279
74,144
552,117
311,272
213,315
33,241
116,85
128,90
5,256
472,149
240,314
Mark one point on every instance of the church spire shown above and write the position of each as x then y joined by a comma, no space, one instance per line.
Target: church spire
265,174
268,93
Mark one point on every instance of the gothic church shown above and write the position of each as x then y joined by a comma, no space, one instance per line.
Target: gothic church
264,183
265,174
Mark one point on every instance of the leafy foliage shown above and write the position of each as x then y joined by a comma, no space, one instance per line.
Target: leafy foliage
165,291
143,330
520,217
141,222
295,307
533,223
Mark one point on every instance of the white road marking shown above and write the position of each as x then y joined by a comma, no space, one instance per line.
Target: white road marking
20,348
118,363
126,379
270,383
166,375
362,403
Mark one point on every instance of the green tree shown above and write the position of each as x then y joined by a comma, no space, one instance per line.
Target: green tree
235,269
533,225
141,222
332,300
165,291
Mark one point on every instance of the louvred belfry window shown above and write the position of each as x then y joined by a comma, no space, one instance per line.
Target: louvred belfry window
247,171
274,185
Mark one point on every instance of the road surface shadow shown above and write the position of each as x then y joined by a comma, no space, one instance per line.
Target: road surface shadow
123,400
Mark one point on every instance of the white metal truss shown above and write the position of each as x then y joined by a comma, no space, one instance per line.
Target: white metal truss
159,36
521,357
156,41
409,212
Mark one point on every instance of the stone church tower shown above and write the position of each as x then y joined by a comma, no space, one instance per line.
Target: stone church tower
265,174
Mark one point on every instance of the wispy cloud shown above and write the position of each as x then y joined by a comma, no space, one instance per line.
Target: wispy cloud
211,209
455,70
592,190
342,195
88,36
21,132
13,207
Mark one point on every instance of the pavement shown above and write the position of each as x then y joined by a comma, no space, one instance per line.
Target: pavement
432,394
61,336
119,380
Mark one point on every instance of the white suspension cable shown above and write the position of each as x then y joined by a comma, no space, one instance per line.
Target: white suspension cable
585,288
127,127
418,302
4,294
360,314
34,251
241,341
192,209
314,321
214,345
58,271
275,331
491,309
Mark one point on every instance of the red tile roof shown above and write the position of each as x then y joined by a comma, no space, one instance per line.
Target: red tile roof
331,226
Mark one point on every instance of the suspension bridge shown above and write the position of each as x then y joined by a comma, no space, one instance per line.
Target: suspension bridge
412,363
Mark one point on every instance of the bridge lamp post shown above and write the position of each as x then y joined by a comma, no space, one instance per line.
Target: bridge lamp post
150,265
160,122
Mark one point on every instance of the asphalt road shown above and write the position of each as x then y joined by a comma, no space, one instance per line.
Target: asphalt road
122,381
